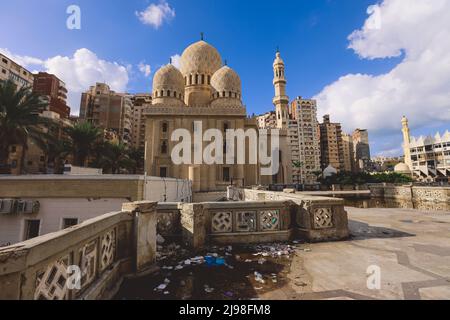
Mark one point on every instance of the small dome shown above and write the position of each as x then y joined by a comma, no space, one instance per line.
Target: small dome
168,77
402,167
227,81
329,171
200,58
168,82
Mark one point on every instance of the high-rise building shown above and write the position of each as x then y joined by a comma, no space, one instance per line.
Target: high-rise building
140,103
331,146
15,72
54,91
348,152
361,149
108,110
304,140
267,120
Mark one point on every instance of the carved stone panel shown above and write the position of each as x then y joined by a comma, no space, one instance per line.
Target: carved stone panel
222,222
107,249
269,220
245,221
51,282
323,218
88,263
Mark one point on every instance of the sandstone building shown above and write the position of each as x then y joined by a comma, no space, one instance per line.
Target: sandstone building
15,72
348,152
206,91
54,91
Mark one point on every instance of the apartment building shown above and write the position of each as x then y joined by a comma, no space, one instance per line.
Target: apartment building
331,146
361,149
15,72
54,91
108,110
140,103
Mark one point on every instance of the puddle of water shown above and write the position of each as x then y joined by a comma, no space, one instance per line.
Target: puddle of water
203,282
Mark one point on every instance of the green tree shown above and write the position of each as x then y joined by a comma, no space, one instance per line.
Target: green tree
84,139
19,118
113,157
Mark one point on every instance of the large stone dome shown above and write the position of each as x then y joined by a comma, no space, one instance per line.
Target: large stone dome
168,82
200,58
226,81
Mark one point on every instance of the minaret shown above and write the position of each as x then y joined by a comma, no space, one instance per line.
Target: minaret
406,142
281,100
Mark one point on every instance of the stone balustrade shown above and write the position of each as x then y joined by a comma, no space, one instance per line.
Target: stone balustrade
87,261
316,219
411,193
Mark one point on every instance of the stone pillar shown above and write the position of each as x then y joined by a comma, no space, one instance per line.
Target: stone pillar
193,225
145,222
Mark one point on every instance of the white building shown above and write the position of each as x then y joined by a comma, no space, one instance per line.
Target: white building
427,157
32,205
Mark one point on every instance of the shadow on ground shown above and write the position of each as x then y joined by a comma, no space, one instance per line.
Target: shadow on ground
360,231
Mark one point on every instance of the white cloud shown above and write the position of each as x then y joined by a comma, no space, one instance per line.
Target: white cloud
176,60
22,60
156,14
146,69
79,72
417,87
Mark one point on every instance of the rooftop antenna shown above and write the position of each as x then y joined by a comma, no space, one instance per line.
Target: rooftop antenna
201,35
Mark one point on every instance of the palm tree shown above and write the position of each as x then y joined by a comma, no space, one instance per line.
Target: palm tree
19,118
84,139
113,157
137,156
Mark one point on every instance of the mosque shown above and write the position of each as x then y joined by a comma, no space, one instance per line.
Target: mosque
205,90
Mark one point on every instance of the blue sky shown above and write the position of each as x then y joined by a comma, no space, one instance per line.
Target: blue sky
312,36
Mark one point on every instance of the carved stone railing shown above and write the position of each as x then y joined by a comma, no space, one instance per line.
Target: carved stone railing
317,218
87,261
237,222
411,193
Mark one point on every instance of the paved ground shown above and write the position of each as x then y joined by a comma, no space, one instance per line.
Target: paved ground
411,248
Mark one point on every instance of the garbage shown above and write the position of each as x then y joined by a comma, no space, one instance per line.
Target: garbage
166,292
160,239
166,281
248,261
262,261
214,261
220,261
228,294
208,289
259,277
161,287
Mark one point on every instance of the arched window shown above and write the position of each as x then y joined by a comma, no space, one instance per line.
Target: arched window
196,79
190,79
229,94
156,94
162,93
168,93
209,79
174,94
223,94
164,127
203,79
164,147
